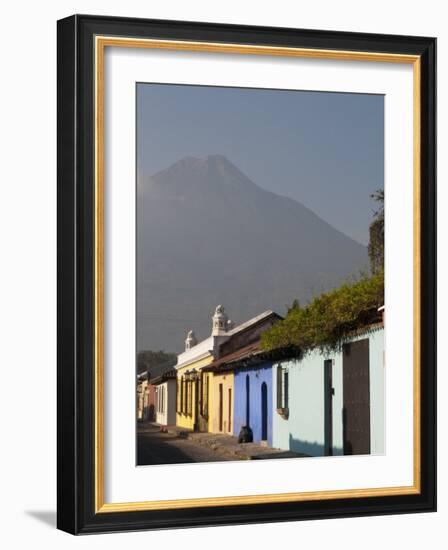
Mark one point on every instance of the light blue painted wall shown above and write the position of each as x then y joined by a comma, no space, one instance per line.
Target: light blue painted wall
338,403
377,393
304,430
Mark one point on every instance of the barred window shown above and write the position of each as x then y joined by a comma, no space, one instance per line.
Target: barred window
282,387
182,395
203,392
206,396
190,398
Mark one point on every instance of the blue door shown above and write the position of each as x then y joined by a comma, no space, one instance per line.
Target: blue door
264,412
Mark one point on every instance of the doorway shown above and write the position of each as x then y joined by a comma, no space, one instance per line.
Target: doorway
220,407
356,391
247,401
264,412
328,406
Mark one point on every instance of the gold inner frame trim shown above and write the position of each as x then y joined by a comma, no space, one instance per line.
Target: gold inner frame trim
101,42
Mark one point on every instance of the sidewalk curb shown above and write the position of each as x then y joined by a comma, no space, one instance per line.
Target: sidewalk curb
211,441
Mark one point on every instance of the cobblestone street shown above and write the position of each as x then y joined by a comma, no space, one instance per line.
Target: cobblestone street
156,447
175,447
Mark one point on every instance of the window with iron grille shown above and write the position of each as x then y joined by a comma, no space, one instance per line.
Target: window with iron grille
282,388
182,395
204,394
190,395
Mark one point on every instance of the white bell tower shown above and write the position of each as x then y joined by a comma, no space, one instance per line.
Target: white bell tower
220,322
190,341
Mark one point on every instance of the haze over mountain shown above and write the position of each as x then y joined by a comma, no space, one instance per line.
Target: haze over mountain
207,234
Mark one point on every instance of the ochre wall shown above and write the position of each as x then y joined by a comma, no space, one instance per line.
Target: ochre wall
227,407
187,421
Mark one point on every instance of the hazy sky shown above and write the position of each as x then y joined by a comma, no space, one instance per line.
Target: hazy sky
325,150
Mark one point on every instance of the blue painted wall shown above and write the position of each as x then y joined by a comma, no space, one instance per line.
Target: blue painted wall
257,375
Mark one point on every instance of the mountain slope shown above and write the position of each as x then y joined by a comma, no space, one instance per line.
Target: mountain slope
206,234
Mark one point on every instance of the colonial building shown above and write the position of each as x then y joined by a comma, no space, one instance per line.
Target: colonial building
204,394
253,403
145,398
332,404
251,370
226,396
165,402
193,387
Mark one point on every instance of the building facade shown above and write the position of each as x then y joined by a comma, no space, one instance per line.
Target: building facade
193,386
145,398
253,401
332,404
205,392
221,421
193,394
165,405
242,342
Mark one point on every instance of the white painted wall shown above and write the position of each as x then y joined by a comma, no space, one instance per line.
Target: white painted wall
166,403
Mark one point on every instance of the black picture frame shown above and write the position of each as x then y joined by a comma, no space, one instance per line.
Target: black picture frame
76,301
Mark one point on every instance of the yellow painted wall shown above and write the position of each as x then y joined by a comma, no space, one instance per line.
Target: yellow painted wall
210,401
187,420
226,380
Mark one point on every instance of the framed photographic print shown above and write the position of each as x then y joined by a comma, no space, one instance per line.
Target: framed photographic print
246,274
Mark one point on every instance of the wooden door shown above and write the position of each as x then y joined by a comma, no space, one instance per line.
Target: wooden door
328,406
356,389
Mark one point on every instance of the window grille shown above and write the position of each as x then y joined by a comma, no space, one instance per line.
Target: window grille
282,388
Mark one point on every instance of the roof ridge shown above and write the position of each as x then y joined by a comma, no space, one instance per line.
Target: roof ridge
252,320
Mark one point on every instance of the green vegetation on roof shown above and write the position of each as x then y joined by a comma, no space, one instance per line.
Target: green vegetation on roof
329,319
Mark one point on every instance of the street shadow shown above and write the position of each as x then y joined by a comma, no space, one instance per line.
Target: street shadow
311,448
154,448
48,517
